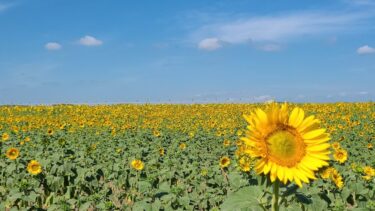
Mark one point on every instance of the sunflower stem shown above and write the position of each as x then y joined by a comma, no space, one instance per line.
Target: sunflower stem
275,196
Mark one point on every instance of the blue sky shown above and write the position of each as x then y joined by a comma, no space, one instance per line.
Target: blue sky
72,51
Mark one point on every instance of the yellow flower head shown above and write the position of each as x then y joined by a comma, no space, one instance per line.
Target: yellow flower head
226,143
27,139
336,145
224,162
340,155
369,171
367,177
5,137
370,146
239,132
156,133
244,163
50,132
182,146
326,173
34,167
337,179
137,165
161,151
12,153
287,146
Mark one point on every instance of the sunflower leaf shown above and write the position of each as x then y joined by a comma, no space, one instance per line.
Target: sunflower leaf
245,198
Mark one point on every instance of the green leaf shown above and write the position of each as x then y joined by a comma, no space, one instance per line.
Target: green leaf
245,198
143,186
141,206
317,204
85,206
235,180
164,187
345,193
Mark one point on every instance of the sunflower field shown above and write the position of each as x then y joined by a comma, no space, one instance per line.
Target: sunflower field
188,157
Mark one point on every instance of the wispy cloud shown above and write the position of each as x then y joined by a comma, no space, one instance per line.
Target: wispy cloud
90,41
365,50
279,28
209,44
52,46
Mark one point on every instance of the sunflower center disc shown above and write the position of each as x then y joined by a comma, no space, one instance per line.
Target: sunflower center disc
285,148
34,167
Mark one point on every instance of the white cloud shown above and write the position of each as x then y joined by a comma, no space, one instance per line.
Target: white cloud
278,28
365,50
53,46
263,98
209,44
270,47
363,93
90,41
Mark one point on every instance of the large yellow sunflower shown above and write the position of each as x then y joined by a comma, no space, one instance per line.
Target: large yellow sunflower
288,147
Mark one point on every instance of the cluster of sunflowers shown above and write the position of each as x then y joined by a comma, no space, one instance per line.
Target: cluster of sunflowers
33,167
332,174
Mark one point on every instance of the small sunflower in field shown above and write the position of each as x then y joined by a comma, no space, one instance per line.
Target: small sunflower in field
369,173
182,146
27,139
12,153
34,167
239,133
5,137
245,163
370,146
340,155
337,179
368,170
62,126
156,133
288,147
137,165
49,132
161,151
226,143
326,173
336,145
224,162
